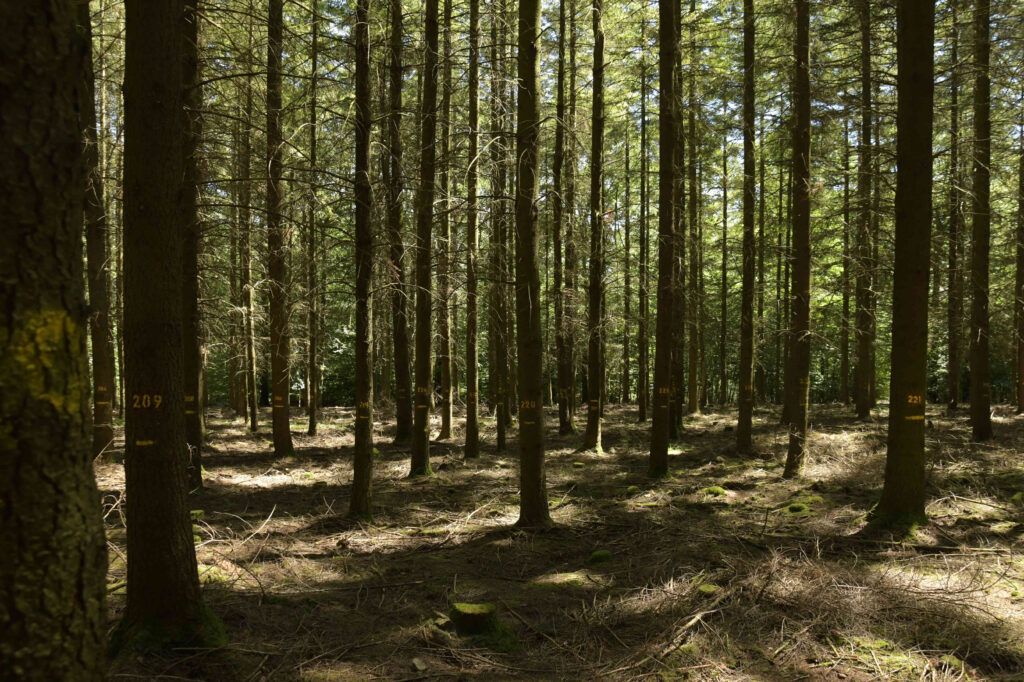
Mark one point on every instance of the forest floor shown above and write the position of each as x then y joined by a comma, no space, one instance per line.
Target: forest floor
723,570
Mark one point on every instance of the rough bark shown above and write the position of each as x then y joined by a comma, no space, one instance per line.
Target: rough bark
800,345
472,449
533,504
362,458
396,246
444,288
667,38
165,606
643,397
420,463
745,388
864,369
595,289
277,243
903,495
844,334
1018,303
312,238
981,391
723,378
694,305
53,565
955,300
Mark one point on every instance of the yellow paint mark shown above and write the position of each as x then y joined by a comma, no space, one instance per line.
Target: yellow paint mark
915,418
190,411
192,399
102,402
144,443
39,347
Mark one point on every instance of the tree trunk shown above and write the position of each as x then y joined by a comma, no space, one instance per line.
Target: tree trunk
595,328
245,247
1018,307
800,345
955,302
533,505
312,279
557,166
981,391
97,255
844,334
723,386
864,370
677,381
53,572
396,247
192,344
571,259
695,304
362,458
760,384
903,495
667,39
444,351
472,239
165,606
277,243
745,383
628,293
420,464
643,341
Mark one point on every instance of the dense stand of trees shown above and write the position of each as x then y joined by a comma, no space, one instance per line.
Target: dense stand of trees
228,193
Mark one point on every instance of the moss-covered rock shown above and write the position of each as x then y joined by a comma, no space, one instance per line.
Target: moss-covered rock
599,556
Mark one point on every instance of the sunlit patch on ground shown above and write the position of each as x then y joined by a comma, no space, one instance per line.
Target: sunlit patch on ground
723,570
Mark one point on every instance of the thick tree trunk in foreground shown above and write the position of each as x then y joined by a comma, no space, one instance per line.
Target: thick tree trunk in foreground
420,464
667,37
904,493
595,327
362,458
277,243
533,505
53,565
981,391
745,388
165,606
800,346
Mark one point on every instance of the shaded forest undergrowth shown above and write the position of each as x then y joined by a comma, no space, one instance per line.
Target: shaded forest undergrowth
721,571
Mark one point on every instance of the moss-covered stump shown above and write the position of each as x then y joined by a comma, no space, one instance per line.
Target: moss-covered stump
480,622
